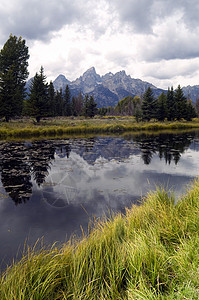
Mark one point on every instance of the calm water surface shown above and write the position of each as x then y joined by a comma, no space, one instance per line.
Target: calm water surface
51,188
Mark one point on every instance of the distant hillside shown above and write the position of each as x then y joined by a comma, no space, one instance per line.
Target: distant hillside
191,92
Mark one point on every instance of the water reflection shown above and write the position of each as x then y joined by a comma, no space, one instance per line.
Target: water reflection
15,172
39,157
63,183
21,163
168,146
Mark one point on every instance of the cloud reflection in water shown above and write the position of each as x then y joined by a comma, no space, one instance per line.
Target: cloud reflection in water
74,180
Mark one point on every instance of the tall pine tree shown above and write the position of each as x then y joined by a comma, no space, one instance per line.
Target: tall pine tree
191,112
171,106
86,106
92,107
13,74
67,101
161,107
148,105
59,103
52,103
38,102
180,104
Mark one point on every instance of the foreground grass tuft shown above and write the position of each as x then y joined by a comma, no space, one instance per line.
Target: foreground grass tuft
150,253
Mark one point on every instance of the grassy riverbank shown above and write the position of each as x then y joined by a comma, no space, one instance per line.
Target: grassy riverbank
150,253
50,127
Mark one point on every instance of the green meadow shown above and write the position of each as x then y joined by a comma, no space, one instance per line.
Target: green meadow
49,127
151,252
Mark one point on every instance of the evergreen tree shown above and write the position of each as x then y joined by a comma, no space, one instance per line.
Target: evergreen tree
161,108
38,102
191,113
138,114
148,105
52,103
171,106
77,105
13,73
67,103
92,107
73,107
86,106
102,111
180,104
59,103
197,107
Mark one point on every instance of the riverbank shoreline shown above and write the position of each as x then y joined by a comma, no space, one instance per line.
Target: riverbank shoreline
57,127
151,252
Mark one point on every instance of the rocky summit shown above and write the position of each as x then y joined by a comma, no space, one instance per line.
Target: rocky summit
111,88
107,89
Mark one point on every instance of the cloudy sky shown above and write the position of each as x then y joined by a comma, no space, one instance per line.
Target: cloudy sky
154,40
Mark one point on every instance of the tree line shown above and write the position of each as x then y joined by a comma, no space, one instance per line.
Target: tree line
42,99
172,105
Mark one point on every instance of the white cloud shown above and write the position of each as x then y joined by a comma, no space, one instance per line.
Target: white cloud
169,73
154,40
171,40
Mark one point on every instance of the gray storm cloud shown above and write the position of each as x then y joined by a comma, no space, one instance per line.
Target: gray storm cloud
143,14
170,27
36,19
134,35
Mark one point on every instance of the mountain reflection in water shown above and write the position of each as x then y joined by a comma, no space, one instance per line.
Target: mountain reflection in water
21,160
65,182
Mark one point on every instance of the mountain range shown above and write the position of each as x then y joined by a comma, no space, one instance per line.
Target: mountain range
110,88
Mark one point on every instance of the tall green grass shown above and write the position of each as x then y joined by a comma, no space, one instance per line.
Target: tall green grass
151,252
85,126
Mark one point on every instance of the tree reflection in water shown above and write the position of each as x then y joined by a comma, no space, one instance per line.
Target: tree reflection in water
168,146
22,162
40,156
15,172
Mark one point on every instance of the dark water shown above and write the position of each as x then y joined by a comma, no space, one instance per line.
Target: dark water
50,188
